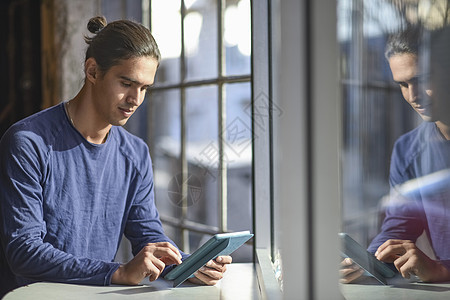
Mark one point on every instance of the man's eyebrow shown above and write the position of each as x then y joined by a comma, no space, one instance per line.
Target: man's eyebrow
133,80
414,78
399,82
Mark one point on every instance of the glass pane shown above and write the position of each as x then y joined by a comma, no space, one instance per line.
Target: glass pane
165,145
166,28
202,154
200,39
112,10
396,154
238,149
237,37
374,117
121,9
196,240
133,9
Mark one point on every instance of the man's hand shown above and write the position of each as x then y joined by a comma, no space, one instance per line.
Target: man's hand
212,272
349,271
410,260
149,262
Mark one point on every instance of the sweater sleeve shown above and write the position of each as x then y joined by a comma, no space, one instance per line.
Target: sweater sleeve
23,229
405,218
143,224
404,221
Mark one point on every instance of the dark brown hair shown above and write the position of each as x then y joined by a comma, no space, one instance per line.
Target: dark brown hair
117,41
406,41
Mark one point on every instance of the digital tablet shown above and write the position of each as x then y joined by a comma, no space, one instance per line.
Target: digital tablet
219,244
365,259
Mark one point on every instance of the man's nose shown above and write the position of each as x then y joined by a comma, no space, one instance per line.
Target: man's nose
413,93
134,97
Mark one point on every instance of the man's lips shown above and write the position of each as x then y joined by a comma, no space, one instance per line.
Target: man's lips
126,111
423,109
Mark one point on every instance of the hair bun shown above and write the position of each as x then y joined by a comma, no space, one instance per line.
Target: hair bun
96,24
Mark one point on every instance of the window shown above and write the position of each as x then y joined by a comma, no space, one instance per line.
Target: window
375,113
393,155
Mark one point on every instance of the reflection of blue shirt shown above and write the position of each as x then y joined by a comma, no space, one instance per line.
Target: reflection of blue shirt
65,202
420,155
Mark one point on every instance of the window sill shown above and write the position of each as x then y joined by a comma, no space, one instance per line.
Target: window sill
267,283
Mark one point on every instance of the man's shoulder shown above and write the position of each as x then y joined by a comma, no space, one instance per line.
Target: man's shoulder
40,126
409,147
412,142
44,117
132,147
130,141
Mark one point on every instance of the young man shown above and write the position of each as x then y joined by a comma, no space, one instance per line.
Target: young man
73,181
417,155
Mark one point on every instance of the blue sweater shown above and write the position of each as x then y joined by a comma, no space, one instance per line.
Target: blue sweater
423,156
65,202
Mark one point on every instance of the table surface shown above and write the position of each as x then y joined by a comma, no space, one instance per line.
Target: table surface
239,282
398,288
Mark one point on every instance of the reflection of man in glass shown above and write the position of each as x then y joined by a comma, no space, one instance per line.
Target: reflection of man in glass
420,200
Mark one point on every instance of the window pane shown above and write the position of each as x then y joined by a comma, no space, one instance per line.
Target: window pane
120,9
395,155
202,153
238,149
197,239
165,145
237,37
112,10
166,28
200,39
374,116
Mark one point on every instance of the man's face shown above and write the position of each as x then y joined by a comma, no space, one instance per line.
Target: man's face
121,90
412,82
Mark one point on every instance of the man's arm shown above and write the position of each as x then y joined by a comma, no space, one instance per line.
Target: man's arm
405,218
143,228
149,262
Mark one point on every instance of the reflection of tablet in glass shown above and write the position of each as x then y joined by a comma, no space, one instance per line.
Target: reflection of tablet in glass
365,259
219,244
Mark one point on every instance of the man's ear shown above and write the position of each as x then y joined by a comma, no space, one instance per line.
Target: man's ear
91,69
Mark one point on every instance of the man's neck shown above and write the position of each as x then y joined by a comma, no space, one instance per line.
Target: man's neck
81,115
444,129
